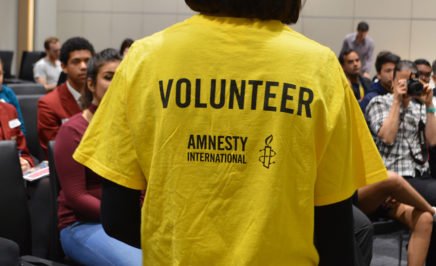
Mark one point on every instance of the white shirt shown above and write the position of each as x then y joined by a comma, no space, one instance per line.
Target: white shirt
44,68
76,94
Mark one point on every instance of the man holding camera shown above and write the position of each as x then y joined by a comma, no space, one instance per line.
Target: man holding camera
403,123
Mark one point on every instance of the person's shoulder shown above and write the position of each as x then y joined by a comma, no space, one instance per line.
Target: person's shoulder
41,62
9,108
51,96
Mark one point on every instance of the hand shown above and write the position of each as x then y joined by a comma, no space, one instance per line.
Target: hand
400,89
25,165
427,96
366,75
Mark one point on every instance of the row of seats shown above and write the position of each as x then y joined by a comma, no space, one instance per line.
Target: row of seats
28,59
32,224
28,95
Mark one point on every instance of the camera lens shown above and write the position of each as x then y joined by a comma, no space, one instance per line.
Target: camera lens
414,87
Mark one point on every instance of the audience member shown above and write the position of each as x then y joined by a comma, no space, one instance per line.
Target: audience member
403,123
274,172
125,45
351,65
82,236
7,95
10,130
433,76
397,199
57,106
385,67
46,71
424,70
363,44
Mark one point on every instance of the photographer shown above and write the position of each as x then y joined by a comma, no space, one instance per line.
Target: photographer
403,123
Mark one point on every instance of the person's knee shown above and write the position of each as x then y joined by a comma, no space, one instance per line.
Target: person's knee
425,222
395,181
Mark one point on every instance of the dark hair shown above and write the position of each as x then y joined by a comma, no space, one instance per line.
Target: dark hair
287,11
50,40
433,67
125,44
422,61
405,65
94,65
385,57
344,53
74,44
362,26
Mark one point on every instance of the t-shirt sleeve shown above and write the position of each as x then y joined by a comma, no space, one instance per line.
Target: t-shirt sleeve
38,70
107,147
350,159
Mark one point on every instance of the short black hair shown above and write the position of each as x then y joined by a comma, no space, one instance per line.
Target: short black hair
344,53
362,26
422,61
385,57
433,67
287,11
94,66
74,44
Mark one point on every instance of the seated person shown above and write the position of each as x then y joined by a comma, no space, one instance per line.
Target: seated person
82,236
351,65
385,66
10,130
46,71
63,102
397,199
8,95
403,124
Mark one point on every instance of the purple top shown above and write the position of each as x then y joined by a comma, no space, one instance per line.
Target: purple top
80,194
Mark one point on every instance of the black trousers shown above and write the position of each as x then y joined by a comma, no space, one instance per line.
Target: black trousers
9,252
363,235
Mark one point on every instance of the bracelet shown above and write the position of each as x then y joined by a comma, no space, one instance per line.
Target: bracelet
431,110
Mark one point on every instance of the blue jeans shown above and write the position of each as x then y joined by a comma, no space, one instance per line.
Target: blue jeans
88,244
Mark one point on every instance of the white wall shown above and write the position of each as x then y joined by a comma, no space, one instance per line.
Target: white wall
45,22
9,26
405,27
107,22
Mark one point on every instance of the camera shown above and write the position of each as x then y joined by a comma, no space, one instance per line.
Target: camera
414,87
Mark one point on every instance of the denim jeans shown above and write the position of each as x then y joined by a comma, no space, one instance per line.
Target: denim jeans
88,244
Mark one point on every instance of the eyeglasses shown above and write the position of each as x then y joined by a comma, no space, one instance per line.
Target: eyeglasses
424,74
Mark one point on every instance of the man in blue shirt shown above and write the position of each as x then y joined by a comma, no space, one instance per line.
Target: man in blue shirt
385,66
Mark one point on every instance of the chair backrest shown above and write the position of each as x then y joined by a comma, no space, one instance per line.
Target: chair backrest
6,57
27,88
15,219
29,109
55,251
28,60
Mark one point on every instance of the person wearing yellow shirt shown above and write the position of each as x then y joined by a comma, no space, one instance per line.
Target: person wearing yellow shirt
245,135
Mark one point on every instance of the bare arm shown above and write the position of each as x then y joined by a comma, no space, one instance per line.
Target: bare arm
430,125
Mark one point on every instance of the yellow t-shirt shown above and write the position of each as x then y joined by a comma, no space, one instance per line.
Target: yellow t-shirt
237,128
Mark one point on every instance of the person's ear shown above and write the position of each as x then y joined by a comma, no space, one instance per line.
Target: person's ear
90,84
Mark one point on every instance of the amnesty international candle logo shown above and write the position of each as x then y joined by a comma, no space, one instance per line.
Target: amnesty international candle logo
267,153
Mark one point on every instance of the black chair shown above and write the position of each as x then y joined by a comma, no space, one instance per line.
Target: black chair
7,57
384,226
15,220
56,252
27,88
28,60
15,223
29,109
